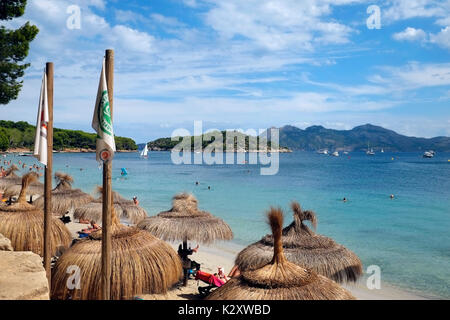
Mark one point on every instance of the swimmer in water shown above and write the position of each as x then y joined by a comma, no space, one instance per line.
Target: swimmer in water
209,187
392,196
345,199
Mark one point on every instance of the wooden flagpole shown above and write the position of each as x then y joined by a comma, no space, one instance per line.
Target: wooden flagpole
107,186
48,175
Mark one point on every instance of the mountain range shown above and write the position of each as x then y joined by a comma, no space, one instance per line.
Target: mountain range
357,139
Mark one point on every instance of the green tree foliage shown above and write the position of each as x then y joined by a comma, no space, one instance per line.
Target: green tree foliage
14,47
21,135
4,140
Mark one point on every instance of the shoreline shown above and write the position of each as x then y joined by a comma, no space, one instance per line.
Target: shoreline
222,254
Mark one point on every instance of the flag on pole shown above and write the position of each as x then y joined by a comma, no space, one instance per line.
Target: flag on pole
40,139
102,122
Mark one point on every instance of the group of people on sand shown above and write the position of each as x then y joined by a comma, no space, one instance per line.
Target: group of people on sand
194,267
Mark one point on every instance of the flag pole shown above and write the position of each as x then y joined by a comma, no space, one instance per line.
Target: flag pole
107,195
48,175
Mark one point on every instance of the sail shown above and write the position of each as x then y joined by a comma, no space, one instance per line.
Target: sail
144,151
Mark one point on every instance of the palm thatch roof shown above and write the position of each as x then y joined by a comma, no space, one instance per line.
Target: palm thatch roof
12,184
10,178
280,279
64,197
186,222
23,224
305,248
140,262
125,209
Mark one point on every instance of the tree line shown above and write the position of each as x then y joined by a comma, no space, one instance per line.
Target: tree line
21,135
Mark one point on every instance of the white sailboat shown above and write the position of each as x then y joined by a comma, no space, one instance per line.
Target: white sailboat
144,152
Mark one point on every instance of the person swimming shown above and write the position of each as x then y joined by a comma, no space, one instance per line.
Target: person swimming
392,196
345,199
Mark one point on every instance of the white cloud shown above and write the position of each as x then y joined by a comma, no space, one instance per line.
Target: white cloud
410,34
441,38
280,25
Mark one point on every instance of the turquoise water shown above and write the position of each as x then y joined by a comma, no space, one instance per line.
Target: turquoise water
408,237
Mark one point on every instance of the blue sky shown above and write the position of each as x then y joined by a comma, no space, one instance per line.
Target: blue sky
244,64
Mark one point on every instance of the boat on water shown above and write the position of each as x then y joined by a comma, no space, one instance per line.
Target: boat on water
370,151
382,150
429,154
325,151
144,152
335,154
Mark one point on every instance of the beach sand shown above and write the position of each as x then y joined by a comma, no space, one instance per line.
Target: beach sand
223,254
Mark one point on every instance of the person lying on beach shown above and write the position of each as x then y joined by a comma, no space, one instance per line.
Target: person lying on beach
84,221
94,227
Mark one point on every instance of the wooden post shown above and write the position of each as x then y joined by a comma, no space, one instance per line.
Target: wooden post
48,175
107,195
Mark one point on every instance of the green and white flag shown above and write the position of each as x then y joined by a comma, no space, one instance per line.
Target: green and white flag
102,122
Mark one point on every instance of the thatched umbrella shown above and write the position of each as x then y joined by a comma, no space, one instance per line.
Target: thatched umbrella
305,248
12,184
140,262
64,197
280,279
124,208
186,222
23,224
10,178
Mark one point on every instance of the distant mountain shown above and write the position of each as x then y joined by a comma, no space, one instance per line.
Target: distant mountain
357,139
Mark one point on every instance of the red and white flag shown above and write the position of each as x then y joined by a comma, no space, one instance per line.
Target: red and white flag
40,140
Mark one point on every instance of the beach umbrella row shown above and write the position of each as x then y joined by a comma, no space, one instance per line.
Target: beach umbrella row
280,279
124,208
304,247
141,263
64,198
11,184
23,224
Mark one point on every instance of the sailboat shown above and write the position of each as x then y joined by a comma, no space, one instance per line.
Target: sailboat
370,151
144,152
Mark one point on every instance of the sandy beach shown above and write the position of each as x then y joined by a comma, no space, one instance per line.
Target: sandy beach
222,255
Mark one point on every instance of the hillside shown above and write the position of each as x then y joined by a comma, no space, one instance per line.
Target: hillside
21,135
166,144
357,139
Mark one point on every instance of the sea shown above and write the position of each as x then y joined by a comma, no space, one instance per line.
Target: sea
408,237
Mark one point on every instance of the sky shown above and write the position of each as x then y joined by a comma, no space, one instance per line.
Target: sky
243,64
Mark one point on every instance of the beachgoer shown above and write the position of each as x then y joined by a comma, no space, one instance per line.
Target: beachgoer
392,196
83,221
345,199
135,200
196,183
209,187
221,274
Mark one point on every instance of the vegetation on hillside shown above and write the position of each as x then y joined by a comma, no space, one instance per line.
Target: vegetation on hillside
213,139
21,135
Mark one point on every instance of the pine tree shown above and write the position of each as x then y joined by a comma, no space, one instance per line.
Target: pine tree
14,46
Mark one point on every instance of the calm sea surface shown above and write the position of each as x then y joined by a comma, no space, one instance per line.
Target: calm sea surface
408,237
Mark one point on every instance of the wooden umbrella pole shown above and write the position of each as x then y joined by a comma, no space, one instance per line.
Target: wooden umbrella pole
48,175
107,195
185,260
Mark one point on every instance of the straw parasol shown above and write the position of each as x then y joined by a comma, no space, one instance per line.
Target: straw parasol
305,248
280,279
64,197
186,222
12,184
140,262
23,224
124,208
10,178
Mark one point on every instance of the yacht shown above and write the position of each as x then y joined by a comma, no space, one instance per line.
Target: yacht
428,154
335,154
